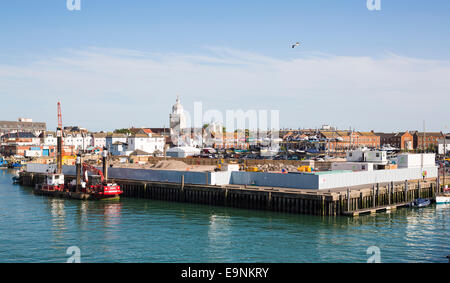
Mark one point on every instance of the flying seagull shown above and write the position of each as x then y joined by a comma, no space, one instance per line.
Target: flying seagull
296,44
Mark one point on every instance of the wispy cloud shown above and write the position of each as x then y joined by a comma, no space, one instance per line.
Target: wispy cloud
138,88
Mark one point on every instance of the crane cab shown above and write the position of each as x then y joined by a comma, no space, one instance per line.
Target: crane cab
53,182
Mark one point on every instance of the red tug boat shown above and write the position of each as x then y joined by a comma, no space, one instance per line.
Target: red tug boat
94,186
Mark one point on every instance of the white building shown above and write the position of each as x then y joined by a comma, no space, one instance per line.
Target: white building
98,140
49,139
79,140
145,143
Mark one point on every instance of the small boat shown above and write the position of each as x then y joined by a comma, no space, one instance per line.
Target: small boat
421,202
443,197
16,179
15,165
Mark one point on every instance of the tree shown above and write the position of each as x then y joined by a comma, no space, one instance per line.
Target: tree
122,131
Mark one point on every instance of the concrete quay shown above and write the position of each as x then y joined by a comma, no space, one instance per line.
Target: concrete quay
351,201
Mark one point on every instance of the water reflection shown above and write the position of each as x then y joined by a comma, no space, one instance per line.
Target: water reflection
112,213
219,237
58,218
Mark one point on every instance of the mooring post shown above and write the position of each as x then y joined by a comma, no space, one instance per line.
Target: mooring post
418,188
361,199
78,173
182,182
373,195
377,200
391,192
438,187
323,205
348,199
226,197
406,190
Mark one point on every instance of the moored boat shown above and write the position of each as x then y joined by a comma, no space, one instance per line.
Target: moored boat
52,186
421,202
443,197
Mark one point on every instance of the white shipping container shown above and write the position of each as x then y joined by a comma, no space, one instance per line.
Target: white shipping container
375,156
415,160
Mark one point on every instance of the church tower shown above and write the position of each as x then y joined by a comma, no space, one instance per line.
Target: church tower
177,119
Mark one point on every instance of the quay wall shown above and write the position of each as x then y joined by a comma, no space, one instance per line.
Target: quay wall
352,201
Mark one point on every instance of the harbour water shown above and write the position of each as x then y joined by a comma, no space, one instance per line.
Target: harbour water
41,229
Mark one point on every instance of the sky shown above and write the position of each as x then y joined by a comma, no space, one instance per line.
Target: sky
116,64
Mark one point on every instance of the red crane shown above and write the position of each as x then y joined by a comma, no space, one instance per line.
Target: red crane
87,167
59,136
102,190
59,116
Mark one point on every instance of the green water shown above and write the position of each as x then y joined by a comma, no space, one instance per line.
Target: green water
41,229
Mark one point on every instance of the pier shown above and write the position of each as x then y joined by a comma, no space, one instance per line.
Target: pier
352,201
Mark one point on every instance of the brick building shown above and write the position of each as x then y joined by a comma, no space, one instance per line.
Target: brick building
401,140
431,140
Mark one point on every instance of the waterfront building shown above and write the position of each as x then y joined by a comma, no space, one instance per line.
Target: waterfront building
22,125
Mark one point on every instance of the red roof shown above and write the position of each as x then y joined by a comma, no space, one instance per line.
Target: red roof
147,131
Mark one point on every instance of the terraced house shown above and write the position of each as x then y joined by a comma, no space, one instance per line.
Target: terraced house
344,140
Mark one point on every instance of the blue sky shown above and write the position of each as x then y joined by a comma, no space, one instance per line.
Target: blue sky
382,70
